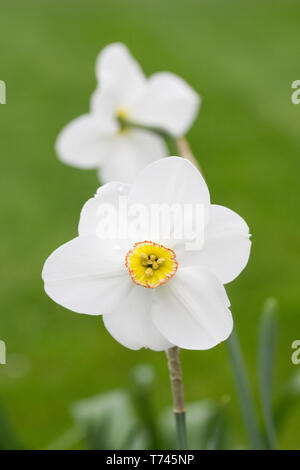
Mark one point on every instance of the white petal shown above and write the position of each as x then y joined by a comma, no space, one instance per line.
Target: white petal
169,181
85,142
168,102
132,152
191,310
107,194
120,74
226,247
165,188
104,104
82,275
131,324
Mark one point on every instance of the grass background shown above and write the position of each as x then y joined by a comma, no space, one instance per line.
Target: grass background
242,57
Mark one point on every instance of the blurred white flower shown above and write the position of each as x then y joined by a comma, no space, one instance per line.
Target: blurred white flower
184,302
96,140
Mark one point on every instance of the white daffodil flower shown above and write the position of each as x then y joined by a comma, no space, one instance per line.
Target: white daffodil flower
153,293
97,140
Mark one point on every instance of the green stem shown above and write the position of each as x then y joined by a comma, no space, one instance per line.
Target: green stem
244,392
181,430
178,399
167,136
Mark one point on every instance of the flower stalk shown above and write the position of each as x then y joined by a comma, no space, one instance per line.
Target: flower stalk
165,135
186,152
173,355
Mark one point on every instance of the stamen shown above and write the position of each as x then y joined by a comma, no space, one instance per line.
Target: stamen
155,265
144,259
149,272
161,261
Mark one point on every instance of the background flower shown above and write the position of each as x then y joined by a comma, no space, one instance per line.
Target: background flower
190,310
97,140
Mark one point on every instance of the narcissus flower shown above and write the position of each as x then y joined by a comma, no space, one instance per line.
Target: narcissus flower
97,140
153,293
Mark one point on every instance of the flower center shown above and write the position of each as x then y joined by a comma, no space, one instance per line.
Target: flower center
122,114
150,264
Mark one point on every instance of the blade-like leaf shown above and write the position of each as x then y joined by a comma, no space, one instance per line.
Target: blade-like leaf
8,439
109,421
143,377
289,397
244,392
219,435
66,441
266,358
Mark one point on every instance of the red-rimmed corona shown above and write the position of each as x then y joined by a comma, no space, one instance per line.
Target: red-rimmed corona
150,264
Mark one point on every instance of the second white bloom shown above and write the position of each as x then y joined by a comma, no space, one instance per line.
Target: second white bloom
96,139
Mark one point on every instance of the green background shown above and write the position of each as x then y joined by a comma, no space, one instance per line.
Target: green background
242,57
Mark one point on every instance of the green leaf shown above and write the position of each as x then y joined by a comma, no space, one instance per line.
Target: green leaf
266,358
219,436
143,378
289,398
244,392
69,440
8,438
109,421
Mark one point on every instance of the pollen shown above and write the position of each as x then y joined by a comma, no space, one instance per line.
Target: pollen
122,113
150,264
